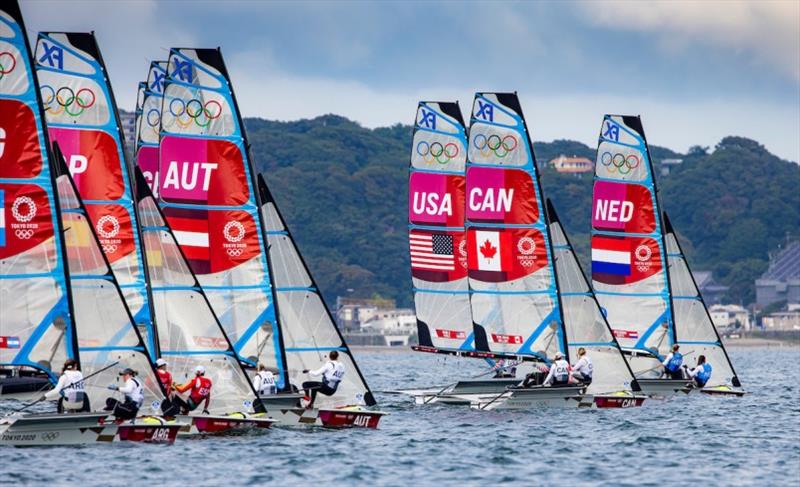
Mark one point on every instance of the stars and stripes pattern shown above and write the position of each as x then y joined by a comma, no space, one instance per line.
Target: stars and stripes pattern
431,251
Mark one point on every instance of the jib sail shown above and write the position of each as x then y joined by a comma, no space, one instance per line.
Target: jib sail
209,197
105,330
82,117
437,239
309,331
35,322
513,286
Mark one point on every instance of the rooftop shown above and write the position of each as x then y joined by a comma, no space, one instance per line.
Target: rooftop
786,264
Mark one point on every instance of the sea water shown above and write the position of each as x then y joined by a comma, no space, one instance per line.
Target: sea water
754,440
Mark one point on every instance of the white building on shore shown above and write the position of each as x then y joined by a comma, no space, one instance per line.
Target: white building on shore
730,316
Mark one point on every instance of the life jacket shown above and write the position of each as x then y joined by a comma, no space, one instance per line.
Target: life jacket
561,371
704,374
74,392
165,378
675,362
333,376
266,383
201,388
136,396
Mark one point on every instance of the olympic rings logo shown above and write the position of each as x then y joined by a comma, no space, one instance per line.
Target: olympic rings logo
230,237
494,144
7,63
234,252
153,117
437,152
23,234
50,435
109,249
643,254
65,100
194,110
101,226
20,201
620,162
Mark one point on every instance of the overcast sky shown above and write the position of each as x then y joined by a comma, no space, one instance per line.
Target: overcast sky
694,71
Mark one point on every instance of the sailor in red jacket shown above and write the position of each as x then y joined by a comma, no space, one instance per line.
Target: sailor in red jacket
200,391
164,376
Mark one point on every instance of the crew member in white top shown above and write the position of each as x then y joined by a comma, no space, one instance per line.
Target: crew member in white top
264,381
133,393
560,373
583,369
70,390
332,373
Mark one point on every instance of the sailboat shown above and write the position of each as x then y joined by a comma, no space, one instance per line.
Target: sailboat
310,333
639,273
149,126
36,323
81,116
189,333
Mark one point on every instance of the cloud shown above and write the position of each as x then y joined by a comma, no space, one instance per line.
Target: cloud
766,30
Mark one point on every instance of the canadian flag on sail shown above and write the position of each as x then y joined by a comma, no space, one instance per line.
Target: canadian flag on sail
488,251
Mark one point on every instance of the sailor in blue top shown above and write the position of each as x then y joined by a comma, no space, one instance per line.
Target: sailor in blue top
672,364
701,373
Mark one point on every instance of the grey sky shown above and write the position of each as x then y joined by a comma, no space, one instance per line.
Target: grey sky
695,71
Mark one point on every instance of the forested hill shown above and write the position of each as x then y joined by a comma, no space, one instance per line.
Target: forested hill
343,190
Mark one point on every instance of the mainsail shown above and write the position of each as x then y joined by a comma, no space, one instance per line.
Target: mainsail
149,128
694,329
35,323
585,325
82,117
208,194
309,330
105,331
189,333
513,287
628,272
137,115
437,239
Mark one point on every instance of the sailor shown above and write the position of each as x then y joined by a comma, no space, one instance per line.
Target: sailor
264,381
701,373
133,393
560,373
332,373
672,363
200,391
164,376
583,369
504,370
70,390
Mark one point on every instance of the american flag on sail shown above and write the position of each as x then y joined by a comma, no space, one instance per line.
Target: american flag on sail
431,251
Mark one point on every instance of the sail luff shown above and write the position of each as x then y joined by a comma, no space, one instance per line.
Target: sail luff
30,180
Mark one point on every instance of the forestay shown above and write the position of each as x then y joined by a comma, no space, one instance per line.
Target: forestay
208,194
81,116
437,239
105,330
694,329
628,273
189,333
150,124
309,331
35,323
584,323
513,289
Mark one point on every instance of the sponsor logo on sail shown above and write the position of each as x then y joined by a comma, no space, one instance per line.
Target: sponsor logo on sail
507,339
234,232
23,210
52,55
632,334
107,228
484,110
451,334
610,130
427,119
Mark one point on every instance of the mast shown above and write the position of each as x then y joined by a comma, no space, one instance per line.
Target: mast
32,251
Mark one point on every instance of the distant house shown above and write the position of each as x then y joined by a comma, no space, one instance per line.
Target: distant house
712,291
729,316
781,281
572,165
788,319
668,164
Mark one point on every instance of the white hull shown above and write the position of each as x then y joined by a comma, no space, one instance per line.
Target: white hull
453,394
528,398
664,388
82,429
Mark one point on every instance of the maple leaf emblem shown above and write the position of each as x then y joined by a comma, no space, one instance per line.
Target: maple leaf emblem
488,250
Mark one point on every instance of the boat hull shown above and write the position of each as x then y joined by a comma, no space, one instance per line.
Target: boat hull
603,401
722,391
326,418
81,429
207,424
664,388
452,394
529,398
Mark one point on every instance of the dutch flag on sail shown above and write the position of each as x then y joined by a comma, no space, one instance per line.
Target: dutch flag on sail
611,256
2,218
